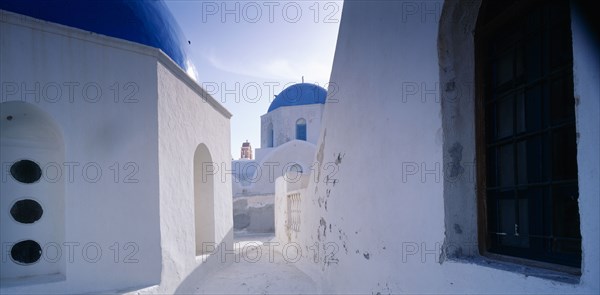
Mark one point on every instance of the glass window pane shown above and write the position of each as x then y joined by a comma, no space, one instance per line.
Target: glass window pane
535,197
490,122
533,159
566,219
505,117
533,62
523,224
522,162
560,47
492,165
561,99
533,108
506,163
504,69
521,118
514,233
564,154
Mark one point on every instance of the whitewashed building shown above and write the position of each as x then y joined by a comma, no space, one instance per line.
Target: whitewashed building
460,155
466,139
107,148
289,132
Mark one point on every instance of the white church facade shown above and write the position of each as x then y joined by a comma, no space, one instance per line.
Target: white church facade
289,132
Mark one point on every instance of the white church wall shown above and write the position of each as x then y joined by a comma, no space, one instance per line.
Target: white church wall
253,214
283,187
253,206
186,121
242,175
284,124
122,109
280,207
82,81
279,161
261,152
383,228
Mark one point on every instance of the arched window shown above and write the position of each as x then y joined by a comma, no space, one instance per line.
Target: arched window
301,129
204,200
270,136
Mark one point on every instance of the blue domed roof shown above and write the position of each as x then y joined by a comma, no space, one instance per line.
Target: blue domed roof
299,94
146,22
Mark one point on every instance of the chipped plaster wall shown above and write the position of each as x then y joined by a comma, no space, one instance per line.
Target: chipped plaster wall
384,226
457,61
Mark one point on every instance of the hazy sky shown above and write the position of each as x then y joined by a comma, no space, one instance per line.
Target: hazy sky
245,52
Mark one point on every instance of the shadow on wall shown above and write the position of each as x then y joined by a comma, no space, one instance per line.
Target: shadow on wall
221,257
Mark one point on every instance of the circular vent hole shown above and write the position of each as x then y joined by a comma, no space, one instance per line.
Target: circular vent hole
26,171
26,211
26,252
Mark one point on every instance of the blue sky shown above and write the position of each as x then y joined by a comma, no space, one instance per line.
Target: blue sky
245,52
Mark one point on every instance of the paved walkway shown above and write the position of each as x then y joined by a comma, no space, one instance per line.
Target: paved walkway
256,273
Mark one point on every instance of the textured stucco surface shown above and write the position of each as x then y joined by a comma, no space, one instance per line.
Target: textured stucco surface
99,209
157,130
383,228
185,121
284,124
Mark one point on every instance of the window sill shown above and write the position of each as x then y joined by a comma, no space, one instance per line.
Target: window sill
559,273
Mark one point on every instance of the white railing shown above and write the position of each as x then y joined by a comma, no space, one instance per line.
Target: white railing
294,201
288,207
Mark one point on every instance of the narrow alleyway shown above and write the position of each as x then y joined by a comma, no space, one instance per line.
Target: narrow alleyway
256,272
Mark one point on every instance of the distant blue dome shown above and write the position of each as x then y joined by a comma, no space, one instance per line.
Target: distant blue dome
145,22
299,94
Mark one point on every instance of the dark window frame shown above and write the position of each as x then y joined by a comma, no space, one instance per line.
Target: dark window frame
488,27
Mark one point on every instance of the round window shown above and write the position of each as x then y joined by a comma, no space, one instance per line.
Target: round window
26,252
26,211
295,168
26,171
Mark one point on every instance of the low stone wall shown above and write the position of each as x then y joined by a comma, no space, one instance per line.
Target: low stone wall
254,214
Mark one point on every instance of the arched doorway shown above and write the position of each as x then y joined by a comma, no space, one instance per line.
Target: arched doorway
32,195
204,200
